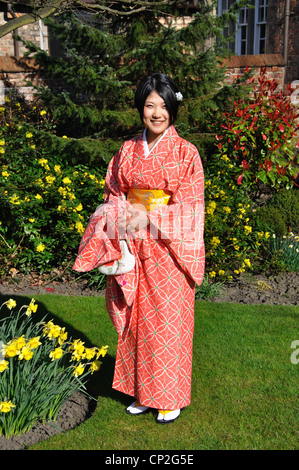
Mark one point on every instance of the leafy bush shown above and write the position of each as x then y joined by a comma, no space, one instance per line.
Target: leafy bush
255,150
259,138
44,202
270,218
280,214
40,369
234,243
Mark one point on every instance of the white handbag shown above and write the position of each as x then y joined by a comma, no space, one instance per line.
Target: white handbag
121,266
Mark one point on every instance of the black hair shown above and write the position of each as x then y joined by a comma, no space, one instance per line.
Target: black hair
165,87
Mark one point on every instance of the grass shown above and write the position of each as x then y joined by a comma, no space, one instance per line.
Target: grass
244,384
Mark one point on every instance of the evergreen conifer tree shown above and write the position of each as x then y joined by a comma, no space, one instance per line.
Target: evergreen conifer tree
90,94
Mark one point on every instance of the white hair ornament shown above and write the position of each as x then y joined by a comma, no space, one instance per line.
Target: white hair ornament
179,96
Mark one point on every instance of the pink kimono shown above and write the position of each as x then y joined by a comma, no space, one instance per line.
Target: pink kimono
152,307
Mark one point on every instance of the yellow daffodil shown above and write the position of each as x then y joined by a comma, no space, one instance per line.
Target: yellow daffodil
11,304
54,332
56,354
32,307
6,406
102,352
79,370
3,365
89,353
19,342
62,336
78,346
95,366
26,353
10,350
33,343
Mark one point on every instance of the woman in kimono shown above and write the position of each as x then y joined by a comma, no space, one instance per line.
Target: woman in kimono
154,200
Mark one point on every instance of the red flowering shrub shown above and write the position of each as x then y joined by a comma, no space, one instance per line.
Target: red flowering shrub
258,138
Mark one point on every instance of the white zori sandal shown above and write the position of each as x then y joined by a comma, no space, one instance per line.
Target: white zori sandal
167,416
121,266
136,408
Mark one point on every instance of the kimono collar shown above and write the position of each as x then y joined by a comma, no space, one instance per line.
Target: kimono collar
145,145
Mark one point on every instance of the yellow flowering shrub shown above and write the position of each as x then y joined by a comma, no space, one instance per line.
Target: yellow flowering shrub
234,244
45,202
40,368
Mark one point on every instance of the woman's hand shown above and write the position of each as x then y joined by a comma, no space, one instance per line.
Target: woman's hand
133,219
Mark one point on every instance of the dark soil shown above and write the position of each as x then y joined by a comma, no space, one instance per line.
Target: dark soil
74,412
280,289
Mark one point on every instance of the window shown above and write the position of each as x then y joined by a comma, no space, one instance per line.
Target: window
251,28
261,26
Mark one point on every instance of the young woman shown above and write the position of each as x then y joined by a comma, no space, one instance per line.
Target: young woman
154,198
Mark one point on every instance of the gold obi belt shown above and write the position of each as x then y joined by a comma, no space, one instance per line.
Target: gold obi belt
150,198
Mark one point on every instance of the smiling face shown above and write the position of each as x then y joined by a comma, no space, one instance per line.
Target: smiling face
155,117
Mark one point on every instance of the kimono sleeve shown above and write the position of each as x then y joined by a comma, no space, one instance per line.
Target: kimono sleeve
181,223
113,190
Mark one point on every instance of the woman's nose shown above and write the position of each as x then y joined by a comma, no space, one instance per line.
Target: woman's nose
157,112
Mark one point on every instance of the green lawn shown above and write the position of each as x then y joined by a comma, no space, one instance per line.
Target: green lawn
244,383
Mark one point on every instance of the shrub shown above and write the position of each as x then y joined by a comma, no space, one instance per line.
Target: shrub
255,150
234,243
40,368
287,201
280,214
258,138
270,218
44,202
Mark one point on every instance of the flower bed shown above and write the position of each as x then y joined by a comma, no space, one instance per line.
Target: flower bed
40,368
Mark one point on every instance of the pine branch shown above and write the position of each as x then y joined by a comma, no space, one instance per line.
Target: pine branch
43,9
29,18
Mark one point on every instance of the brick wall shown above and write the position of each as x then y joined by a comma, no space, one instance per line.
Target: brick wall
29,32
276,20
273,62
14,74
